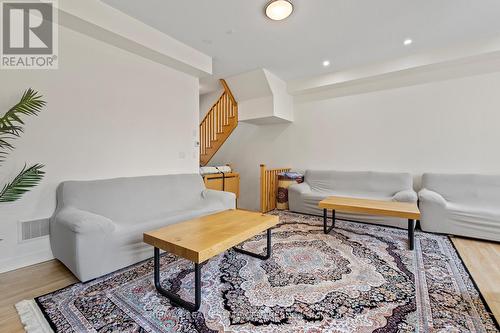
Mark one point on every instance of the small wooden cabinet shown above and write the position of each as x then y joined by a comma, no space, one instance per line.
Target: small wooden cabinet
229,182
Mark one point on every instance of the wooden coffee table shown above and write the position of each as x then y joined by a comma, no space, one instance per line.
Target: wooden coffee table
405,210
202,238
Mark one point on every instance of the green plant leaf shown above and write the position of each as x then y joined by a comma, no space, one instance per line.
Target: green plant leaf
24,181
31,104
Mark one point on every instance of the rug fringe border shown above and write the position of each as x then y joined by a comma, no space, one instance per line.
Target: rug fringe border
32,317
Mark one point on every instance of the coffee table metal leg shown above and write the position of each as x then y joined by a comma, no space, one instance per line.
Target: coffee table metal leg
259,256
411,234
327,229
176,300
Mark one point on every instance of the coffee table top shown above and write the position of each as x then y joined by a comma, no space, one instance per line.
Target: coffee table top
406,210
201,238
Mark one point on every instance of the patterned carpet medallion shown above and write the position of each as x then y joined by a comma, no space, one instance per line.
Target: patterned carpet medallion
360,278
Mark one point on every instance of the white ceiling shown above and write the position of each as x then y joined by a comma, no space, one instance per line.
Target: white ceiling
349,33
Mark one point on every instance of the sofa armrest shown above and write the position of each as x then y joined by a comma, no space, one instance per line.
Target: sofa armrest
228,199
428,196
301,188
83,222
405,196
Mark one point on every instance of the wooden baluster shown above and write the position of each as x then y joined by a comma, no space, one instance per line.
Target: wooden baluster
202,137
202,148
214,129
211,128
230,107
271,174
218,118
275,188
205,134
269,181
214,124
262,189
224,108
221,113
273,205
265,197
208,130
219,122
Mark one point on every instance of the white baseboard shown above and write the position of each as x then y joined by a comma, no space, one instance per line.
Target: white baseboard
11,264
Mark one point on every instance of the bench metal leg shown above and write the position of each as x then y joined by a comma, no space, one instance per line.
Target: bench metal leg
327,229
411,234
255,255
176,300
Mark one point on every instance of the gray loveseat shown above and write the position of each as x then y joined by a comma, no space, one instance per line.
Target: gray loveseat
461,204
319,184
98,225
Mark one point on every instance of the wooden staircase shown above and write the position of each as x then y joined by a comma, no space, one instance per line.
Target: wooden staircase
218,124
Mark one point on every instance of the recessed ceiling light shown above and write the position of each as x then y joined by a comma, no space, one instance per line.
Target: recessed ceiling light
407,41
278,10
326,63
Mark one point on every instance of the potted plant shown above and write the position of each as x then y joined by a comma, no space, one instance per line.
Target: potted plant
11,127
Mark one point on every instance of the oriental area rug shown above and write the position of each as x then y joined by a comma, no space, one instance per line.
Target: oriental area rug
358,278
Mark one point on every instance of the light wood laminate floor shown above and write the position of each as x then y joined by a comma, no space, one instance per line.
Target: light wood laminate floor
481,258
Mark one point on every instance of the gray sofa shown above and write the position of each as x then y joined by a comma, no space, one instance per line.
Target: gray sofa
319,184
98,225
461,204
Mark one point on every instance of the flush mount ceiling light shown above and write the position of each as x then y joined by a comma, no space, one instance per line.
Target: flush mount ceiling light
326,63
407,41
278,10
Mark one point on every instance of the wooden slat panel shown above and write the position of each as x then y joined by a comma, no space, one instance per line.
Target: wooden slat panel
269,187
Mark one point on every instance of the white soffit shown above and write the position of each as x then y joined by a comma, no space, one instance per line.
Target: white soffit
461,60
105,23
262,97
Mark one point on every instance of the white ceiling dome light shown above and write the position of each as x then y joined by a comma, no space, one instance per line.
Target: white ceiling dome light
408,41
278,10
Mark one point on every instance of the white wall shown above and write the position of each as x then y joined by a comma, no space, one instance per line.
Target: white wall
282,100
207,101
110,113
448,126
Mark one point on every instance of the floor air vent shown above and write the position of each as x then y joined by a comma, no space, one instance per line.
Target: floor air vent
34,229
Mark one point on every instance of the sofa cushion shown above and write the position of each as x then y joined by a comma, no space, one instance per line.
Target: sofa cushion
362,195
473,213
134,199
469,189
379,183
